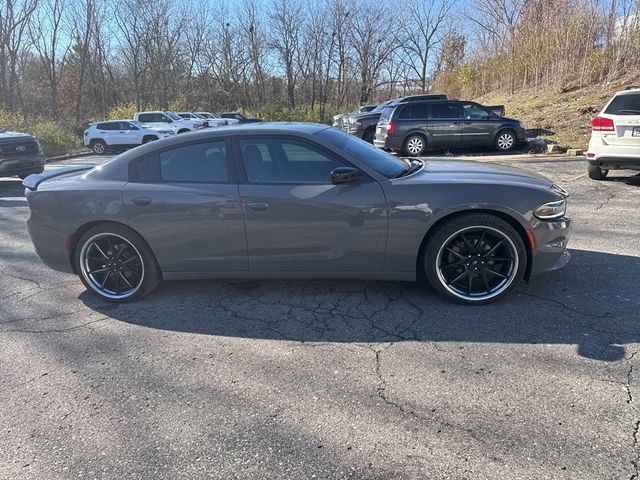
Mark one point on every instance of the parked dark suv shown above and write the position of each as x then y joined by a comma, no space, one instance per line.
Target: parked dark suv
412,127
363,125
20,154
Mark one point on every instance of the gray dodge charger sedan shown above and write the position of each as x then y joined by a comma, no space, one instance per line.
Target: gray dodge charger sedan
294,201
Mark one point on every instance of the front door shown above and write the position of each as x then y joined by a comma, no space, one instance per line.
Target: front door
184,201
297,220
478,126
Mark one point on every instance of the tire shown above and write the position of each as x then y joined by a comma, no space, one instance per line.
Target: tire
369,135
469,267
149,139
597,173
122,268
415,145
99,147
505,140
184,130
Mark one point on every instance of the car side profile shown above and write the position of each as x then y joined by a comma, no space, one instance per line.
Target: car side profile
168,120
294,201
414,127
240,117
615,136
120,134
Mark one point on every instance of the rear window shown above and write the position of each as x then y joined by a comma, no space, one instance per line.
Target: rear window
624,104
193,163
386,113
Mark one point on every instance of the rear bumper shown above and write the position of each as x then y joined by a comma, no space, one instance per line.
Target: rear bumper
22,165
551,239
50,243
613,157
388,142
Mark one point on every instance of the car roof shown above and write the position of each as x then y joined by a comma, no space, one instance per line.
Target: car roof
629,90
112,121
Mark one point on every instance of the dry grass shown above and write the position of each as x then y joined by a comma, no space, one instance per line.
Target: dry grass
559,115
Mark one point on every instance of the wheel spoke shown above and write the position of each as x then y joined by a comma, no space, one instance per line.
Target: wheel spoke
486,281
95,244
110,244
455,264
493,249
488,270
459,277
104,280
479,242
125,279
459,255
124,247
100,270
470,281
466,242
500,259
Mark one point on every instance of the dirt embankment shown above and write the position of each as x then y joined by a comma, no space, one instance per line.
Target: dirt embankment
560,115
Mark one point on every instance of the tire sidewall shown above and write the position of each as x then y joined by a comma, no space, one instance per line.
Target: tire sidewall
422,139
501,133
448,228
95,144
152,276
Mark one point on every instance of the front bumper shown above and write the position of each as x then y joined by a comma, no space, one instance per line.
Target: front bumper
551,238
22,165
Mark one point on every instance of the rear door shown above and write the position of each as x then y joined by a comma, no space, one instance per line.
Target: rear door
478,125
624,110
184,201
128,134
297,220
444,124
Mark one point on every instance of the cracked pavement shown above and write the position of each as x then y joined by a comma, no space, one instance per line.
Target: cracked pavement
329,379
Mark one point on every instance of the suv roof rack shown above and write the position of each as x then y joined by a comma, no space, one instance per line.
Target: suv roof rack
414,98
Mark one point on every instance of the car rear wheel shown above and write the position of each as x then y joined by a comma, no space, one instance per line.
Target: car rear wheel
475,259
415,145
505,141
99,147
116,264
597,173
149,139
369,135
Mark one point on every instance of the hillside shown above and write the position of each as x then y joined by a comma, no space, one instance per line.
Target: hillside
560,115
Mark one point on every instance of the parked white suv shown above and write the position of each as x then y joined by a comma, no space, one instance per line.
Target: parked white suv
168,120
615,135
101,136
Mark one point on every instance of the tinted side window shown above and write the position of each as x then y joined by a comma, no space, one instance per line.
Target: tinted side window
197,163
624,104
473,112
150,117
286,161
103,126
445,111
414,112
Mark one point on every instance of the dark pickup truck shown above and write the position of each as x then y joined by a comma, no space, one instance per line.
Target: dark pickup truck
20,155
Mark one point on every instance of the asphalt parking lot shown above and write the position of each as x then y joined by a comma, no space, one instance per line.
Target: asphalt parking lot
330,379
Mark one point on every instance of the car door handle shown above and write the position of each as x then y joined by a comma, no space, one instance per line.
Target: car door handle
141,201
258,206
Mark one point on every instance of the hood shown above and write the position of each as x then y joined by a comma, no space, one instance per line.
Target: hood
365,116
12,136
467,171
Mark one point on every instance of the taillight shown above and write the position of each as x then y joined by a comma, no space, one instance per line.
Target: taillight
391,128
602,124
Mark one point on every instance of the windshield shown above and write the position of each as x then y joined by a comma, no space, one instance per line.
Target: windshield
173,116
380,107
380,161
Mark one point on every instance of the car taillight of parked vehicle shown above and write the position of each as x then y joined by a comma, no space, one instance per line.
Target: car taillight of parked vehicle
602,124
391,128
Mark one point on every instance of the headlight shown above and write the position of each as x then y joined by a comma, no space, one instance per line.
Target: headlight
551,210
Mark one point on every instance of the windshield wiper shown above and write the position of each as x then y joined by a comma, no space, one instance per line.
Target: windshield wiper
634,112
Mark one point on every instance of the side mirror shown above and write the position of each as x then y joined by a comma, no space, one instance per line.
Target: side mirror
166,120
344,175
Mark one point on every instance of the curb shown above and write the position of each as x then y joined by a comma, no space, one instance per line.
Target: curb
69,156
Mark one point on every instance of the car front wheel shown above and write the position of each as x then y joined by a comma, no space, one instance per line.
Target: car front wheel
505,141
116,264
475,259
